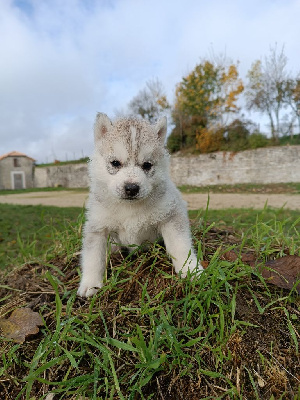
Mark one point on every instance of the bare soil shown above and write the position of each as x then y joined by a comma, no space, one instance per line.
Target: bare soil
195,200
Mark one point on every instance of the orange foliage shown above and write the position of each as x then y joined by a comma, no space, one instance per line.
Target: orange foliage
209,140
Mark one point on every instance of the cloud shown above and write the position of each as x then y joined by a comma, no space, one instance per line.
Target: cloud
62,61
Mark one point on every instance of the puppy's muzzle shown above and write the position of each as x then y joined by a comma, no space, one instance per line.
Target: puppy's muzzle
131,190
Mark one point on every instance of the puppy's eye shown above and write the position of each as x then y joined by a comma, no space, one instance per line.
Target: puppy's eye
116,163
147,166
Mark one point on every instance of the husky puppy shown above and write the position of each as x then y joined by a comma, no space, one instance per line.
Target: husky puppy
132,198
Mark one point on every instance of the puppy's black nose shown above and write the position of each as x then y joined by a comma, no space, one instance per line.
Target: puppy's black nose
131,189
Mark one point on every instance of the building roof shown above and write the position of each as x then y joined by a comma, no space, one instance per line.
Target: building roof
15,154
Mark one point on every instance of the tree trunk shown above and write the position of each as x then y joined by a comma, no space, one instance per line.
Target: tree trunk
273,130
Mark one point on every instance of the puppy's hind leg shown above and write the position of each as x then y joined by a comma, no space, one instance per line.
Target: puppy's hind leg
93,262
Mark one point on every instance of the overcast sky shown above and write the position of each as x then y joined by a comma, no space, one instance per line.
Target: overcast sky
61,61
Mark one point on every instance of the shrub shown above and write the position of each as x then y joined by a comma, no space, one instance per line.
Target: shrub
257,140
174,142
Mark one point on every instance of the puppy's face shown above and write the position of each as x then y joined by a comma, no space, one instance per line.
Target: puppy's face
133,156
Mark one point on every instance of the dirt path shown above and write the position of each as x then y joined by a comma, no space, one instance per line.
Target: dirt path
62,198
238,200
194,200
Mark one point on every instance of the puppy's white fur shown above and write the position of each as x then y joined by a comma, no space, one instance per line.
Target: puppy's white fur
132,198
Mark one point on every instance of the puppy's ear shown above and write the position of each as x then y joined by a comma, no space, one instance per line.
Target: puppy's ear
161,128
101,126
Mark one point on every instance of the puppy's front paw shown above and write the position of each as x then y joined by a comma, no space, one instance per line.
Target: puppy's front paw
195,268
86,290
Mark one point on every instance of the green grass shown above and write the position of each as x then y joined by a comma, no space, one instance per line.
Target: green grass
242,219
149,334
29,232
244,188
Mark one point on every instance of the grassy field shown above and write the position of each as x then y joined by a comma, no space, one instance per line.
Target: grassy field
245,188
289,187
29,232
148,334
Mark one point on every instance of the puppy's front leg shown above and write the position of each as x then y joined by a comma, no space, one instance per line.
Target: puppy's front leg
93,262
178,242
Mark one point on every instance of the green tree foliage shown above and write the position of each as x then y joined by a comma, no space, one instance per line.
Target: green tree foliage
243,134
257,140
237,135
204,99
197,94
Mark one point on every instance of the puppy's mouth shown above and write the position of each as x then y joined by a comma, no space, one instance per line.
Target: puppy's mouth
131,198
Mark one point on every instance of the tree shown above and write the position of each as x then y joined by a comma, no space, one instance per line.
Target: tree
293,98
237,134
150,102
197,94
266,88
204,100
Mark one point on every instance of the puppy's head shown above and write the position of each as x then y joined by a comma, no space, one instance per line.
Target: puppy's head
132,156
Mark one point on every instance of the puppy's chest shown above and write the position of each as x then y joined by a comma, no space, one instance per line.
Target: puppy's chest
134,232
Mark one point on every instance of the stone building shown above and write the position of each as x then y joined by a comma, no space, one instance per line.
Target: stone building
16,171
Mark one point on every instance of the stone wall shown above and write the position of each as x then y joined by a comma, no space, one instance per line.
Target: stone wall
69,175
265,165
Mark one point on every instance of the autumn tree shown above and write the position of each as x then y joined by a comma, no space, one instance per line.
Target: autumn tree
266,88
197,94
204,100
150,102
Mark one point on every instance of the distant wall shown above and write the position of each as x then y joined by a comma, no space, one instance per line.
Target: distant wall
265,165
69,175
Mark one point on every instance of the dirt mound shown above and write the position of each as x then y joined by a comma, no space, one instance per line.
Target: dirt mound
248,366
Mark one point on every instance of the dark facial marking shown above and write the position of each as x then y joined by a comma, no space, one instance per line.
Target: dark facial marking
114,166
